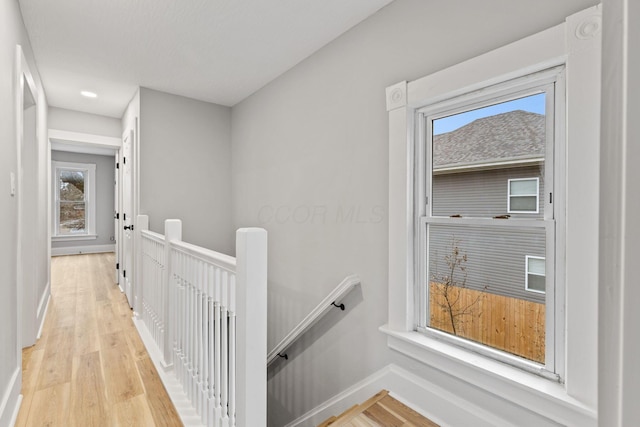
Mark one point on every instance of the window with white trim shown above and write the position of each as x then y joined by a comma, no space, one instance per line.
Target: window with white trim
74,200
535,277
470,249
523,195
571,256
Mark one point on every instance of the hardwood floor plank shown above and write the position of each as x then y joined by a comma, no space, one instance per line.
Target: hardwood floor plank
383,417
394,406
57,363
134,412
162,410
88,398
108,322
121,377
86,332
50,407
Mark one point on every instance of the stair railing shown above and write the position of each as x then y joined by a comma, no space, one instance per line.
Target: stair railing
205,314
330,302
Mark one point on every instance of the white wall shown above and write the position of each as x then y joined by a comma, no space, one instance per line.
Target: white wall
76,121
12,32
310,164
105,194
185,160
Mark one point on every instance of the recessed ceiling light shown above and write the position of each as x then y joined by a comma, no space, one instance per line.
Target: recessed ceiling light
88,94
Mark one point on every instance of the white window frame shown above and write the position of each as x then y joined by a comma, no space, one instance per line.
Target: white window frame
550,82
537,195
575,44
90,200
527,273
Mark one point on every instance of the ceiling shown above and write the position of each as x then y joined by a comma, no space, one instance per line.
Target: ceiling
219,51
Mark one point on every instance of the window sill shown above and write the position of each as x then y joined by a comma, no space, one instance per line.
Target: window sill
74,238
524,389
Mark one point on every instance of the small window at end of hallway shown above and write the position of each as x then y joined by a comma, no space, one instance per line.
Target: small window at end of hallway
523,195
74,199
535,277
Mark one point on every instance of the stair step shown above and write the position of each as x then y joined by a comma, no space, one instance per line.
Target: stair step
381,410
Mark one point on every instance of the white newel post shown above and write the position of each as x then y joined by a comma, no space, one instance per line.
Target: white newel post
142,223
172,233
251,327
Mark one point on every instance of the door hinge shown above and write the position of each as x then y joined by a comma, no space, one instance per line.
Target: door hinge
118,165
124,217
124,160
117,266
124,273
550,197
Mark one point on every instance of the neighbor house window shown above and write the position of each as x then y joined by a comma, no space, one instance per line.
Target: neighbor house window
523,195
470,244
74,200
535,277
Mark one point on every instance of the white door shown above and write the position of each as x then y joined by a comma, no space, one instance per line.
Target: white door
116,214
126,258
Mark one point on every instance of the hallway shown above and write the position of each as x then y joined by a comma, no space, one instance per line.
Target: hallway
90,367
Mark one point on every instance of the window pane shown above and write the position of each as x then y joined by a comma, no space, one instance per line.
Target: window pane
72,185
523,203
536,266
72,218
476,152
525,187
480,294
536,283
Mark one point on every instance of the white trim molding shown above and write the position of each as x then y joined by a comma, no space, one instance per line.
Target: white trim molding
78,250
11,399
396,96
425,397
574,44
66,141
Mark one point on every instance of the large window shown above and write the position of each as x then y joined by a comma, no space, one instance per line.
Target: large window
473,231
450,223
74,200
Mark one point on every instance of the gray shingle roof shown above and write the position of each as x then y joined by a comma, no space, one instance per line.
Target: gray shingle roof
516,135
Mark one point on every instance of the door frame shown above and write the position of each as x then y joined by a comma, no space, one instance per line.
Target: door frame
27,328
85,143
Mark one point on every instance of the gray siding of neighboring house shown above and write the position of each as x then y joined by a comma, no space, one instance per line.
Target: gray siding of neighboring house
481,193
500,270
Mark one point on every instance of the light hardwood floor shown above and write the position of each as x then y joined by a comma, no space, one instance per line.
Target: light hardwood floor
90,367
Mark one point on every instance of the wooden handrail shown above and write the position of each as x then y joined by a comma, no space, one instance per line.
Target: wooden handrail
316,314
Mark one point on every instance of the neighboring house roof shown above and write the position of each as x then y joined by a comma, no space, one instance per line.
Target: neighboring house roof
507,138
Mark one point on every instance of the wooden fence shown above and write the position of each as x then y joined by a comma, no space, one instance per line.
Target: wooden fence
510,324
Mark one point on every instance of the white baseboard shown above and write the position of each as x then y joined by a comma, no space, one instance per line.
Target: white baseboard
43,308
88,249
409,389
11,400
174,389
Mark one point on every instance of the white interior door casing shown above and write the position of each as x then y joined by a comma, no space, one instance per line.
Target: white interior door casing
127,235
